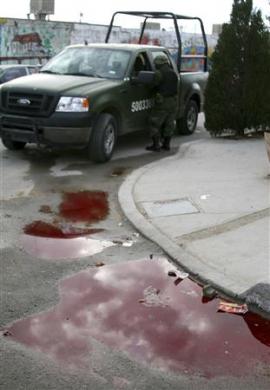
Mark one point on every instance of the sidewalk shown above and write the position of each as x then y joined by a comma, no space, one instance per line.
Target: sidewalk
207,207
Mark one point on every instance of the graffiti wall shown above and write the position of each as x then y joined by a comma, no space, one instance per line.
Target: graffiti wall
20,38
192,45
96,34
36,38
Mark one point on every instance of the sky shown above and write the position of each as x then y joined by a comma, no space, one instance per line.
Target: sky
210,11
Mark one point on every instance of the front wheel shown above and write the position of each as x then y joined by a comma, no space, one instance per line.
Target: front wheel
188,123
103,138
12,145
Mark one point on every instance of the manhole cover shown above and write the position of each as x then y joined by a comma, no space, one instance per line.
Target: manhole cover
171,207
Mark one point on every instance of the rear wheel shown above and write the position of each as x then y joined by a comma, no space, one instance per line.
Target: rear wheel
188,123
12,145
103,139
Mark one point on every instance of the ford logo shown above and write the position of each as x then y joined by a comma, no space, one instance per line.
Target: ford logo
24,101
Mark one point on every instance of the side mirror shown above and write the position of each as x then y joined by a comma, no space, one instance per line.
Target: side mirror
144,77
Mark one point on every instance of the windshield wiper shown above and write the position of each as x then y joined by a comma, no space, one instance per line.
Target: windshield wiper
83,74
48,71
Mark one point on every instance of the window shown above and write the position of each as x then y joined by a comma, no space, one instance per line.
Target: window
141,63
90,61
13,73
33,69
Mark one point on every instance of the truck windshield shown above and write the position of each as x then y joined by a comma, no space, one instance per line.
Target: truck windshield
90,62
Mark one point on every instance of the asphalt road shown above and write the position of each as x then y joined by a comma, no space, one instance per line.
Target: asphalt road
34,184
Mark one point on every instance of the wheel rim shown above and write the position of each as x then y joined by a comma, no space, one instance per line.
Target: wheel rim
109,139
191,118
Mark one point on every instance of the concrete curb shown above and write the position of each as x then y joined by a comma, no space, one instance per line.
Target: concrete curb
181,257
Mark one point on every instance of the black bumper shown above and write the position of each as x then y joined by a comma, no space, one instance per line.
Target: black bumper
60,129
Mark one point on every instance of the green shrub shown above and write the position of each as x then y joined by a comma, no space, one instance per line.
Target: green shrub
237,95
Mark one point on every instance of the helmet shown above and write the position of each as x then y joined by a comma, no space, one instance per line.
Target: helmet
161,60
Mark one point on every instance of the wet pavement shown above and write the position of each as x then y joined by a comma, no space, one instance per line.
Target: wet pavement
78,312
155,318
63,249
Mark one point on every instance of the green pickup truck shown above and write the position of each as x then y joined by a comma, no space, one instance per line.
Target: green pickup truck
88,95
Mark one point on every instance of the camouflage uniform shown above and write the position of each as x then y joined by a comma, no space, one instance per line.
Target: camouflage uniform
162,115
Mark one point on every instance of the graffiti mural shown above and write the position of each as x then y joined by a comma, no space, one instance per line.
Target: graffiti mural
192,46
24,38
19,37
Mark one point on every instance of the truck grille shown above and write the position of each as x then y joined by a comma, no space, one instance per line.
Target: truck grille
21,125
32,104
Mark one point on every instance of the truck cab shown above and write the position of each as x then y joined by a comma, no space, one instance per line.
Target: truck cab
88,95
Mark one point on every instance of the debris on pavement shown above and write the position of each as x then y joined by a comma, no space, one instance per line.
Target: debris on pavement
46,209
127,242
182,274
99,264
179,274
6,333
117,242
118,171
209,292
177,281
205,196
153,298
234,308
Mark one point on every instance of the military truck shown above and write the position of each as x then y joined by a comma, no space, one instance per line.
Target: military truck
89,94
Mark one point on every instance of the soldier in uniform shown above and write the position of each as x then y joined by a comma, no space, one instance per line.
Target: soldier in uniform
162,115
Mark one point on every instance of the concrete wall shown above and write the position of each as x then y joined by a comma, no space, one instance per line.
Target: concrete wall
26,37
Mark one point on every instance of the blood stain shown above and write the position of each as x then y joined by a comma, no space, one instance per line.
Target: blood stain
89,206
45,229
183,335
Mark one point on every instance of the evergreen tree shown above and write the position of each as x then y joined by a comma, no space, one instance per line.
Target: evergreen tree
237,95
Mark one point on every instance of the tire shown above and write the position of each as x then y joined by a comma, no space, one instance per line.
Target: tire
13,145
188,123
103,139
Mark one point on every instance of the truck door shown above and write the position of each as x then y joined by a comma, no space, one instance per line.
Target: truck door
138,97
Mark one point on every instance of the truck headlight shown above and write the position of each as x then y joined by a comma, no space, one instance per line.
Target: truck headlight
72,104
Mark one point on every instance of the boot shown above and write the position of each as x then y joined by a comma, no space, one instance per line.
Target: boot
155,147
166,143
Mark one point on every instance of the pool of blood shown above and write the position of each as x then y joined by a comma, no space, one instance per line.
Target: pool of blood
136,307
88,206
